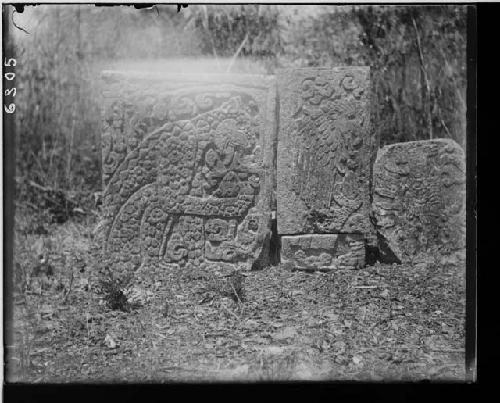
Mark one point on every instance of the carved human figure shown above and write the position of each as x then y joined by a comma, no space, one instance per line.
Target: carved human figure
182,192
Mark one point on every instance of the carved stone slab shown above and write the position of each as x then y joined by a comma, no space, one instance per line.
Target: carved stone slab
419,198
324,151
187,168
323,251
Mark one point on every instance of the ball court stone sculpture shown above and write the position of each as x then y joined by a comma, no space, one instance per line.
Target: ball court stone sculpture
419,199
325,149
194,166
187,169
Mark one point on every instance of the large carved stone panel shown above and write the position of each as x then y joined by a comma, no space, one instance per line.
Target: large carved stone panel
187,168
324,151
419,199
323,251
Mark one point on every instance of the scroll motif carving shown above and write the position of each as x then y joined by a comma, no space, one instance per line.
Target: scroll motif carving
324,151
184,173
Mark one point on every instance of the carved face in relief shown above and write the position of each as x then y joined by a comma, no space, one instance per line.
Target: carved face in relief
229,186
228,137
253,224
211,158
225,160
217,229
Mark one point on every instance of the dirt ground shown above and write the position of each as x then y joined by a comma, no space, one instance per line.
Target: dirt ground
382,323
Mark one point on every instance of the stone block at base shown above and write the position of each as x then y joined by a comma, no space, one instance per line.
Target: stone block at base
323,251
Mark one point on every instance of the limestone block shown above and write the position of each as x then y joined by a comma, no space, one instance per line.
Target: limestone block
324,151
419,199
323,251
187,168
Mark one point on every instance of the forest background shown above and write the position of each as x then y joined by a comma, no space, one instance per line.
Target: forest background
417,56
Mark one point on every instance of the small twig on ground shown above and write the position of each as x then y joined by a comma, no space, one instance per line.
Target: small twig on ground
232,313
366,286
40,187
235,292
449,350
177,368
26,203
70,286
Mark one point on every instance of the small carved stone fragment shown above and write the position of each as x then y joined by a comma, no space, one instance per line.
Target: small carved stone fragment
323,251
419,199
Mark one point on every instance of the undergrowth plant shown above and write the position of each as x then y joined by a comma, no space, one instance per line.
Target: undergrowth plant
112,291
231,286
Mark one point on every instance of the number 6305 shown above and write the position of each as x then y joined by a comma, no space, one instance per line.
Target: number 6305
9,76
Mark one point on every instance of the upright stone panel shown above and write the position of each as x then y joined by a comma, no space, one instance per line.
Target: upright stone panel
324,151
324,155
187,169
419,199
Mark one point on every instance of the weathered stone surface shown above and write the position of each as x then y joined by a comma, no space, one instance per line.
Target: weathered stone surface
324,151
323,251
419,198
187,168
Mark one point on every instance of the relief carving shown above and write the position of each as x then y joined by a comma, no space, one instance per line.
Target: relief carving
419,199
323,251
183,169
324,151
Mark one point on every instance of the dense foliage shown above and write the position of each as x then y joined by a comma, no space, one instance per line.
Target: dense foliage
417,55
